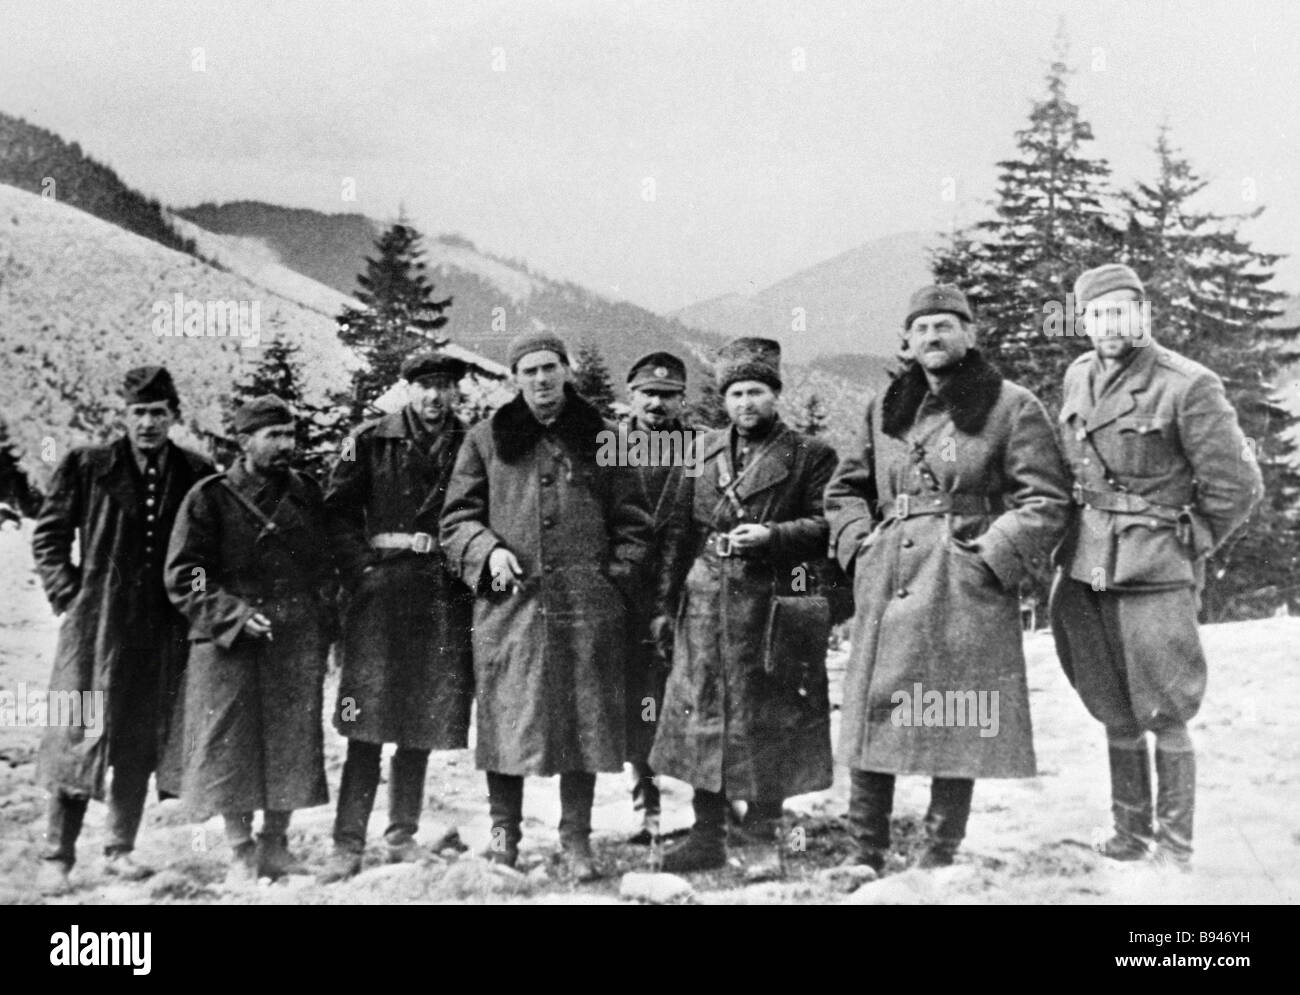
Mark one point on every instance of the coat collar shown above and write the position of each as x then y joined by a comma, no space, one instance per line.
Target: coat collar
1118,399
288,511
118,476
515,431
969,395
772,465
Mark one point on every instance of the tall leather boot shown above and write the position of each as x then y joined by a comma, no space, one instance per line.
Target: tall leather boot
577,792
356,800
1130,799
765,827
645,799
706,844
945,822
871,802
1175,803
506,807
405,800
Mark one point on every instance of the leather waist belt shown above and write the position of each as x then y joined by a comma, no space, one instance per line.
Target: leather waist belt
416,542
1125,503
937,503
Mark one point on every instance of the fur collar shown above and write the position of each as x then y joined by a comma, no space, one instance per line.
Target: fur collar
969,395
515,431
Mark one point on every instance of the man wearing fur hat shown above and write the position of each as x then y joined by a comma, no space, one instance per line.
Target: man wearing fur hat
743,720
551,543
1162,476
120,638
656,387
407,672
955,494
248,567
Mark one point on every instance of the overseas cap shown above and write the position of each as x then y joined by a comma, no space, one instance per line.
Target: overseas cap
146,384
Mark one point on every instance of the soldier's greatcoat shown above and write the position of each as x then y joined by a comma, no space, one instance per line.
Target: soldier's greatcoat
1158,428
120,635
549,658
253,735
938,603
727,724
407,670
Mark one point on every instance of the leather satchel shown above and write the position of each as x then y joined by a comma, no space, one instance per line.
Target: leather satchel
796,640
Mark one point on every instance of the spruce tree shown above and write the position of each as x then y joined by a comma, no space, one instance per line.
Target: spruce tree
1049,224
591,379
1210,301
811,419
320,428
399,317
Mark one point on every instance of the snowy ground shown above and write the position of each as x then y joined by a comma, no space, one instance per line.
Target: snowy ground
1028,840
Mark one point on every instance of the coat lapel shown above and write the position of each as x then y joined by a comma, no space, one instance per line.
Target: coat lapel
1117,399
119,478
772,464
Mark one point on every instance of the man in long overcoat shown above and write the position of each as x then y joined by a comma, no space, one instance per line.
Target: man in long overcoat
658,443
1162,476
734,726
956,494
249,567
407,672
120,639
550,542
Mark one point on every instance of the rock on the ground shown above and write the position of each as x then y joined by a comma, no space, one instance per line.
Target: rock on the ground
480,879
847,878
657,889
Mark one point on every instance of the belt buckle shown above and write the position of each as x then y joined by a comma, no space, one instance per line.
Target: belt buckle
902,505
421,542
722,544
1076,492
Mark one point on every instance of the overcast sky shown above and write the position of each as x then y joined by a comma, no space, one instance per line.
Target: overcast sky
533,128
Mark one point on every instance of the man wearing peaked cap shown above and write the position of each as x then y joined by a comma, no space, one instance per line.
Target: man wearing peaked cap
1162,476
247,567
657,393
406,666
120,638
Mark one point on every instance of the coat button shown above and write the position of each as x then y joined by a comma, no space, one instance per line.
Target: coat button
908,544
1086,461
548,523
547,480
902,592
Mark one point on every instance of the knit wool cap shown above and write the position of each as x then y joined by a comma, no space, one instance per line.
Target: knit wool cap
427,364
536,342
147,384
749,359
661,370
935,300
1103,279
260,412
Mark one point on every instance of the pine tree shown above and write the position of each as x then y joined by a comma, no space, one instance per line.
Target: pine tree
709,411
1049,225
591,379
811,419
1210,301
320,428
400,314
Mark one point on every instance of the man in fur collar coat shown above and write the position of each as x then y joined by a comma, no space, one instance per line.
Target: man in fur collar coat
955,495
551,543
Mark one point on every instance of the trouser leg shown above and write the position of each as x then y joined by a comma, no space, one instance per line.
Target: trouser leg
577,792
64,816
645,789
406,774
1175,792
238,828
356,795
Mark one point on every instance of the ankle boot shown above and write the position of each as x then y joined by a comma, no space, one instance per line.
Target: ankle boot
506,807
1130,801
706,844
871,801
1175,804
577,792
945,822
